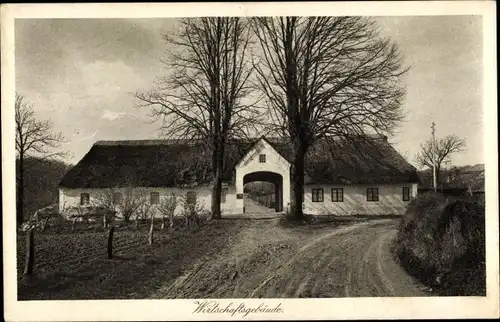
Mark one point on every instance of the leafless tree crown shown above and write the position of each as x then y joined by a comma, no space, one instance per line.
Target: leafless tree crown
34,136
328,76
203,94
439,152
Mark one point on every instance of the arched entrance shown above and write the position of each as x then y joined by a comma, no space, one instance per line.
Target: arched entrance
263,163
271,177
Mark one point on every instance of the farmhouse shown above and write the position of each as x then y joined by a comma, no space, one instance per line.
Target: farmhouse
365,177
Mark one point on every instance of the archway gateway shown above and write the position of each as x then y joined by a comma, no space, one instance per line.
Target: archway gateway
271,177
263,163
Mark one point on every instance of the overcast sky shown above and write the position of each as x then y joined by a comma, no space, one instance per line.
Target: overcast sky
81,74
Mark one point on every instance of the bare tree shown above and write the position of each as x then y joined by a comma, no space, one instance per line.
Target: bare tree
192,208
204,96
128,201
132,201
33,138
167,208
439,152
327,77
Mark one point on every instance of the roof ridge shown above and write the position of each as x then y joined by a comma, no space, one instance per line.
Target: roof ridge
162,141
185,141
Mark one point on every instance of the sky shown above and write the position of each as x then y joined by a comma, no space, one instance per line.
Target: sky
82,73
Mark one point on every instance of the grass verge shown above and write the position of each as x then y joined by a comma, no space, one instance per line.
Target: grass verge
441,241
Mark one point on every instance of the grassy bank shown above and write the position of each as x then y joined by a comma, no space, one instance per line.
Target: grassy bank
441,242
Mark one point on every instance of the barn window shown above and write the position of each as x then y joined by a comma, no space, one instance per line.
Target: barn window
117,198
223,195
406,193
191,197
154,198
262,158
372,194
317,195
84,199
337,194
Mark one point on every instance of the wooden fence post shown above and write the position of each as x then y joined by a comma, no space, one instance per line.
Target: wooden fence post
110,242
105,220
73,226
30,252
151,230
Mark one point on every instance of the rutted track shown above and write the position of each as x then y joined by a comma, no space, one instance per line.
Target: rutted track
353,261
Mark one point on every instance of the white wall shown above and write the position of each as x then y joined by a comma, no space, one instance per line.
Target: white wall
390,199
355,203
71,197
274,163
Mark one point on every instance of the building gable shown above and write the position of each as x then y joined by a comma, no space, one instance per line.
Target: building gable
262,148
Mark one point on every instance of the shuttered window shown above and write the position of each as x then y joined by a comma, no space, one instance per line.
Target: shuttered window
406,193
337,194
371,194
191,197
84,199
262,158
154,198
117,198
317,195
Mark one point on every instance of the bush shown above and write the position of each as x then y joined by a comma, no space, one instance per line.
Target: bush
167,209
192,209
441,242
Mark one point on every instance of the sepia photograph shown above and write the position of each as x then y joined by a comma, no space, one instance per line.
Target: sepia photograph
235,162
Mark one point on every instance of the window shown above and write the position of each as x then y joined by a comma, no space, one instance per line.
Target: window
317,195
117,198
372,194
154,198
223,195
84,199
337,194
191,197
406,193
262,158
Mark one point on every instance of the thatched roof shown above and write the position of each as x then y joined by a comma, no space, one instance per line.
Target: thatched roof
175,163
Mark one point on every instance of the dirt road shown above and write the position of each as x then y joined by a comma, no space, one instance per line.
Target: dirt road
268,260
252,207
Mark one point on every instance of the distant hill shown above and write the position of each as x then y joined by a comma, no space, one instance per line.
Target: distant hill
457,177
41,178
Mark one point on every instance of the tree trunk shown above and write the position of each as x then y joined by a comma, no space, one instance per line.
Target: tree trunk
162,222
298,184
217,163
30,252
20,191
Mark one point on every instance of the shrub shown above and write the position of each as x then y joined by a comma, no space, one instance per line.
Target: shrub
441,240
167,208
192,208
